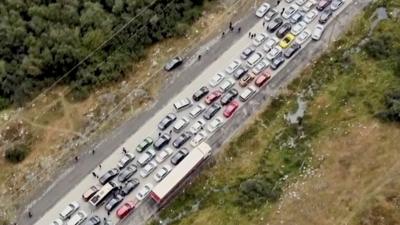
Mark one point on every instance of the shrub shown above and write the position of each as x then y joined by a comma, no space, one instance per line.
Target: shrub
17,153
392,107
379,47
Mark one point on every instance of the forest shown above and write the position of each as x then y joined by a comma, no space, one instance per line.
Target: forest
41,40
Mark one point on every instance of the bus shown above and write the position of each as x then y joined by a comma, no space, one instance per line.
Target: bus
103,193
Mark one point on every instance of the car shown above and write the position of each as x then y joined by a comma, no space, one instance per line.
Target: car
113,202
181,124
197,126
173,63
182,139
246,79
318,32
90,192
167,121
298,28
274,24
254,59
70,209
325,15
125,160
240,71
212,97
290,11
162,172
198,138
247,52
283,30
129,186
229,96
57,222
336,4
226,85
93,220
179,156
232,67
303,36
127,173
262,10
216,79
162,141
231,108
215,124
199,94
322,4
247,93
262,78
148,155
78,218
146,189
274,53
277,63
197,110
286,41
289,1
296,17
260,66
182,104
295,47
310,16
108,176
270,43
211,111
259,39
300,2
270,15
148,169
147,142
309,5
164,154
125,209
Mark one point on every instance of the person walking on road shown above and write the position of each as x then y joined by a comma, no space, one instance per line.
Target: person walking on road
99,166
76,158
124,150
283,10
278,2
29,214
239,29
93,151
94,174
223,34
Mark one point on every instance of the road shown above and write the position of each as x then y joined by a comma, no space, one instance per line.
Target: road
69,188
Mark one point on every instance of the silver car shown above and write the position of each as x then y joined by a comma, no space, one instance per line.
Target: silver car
247,93
162,172
303,36
261,66
216,79
254,59
232,67
226,84
215,124
142,194
259,39
69,210
270,43
290,11
182,104
150,167
274,53
298,28
310,16
317,33
197,110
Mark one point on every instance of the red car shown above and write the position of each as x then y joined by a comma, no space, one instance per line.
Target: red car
264,77
90,192
212,97
125,209
231,108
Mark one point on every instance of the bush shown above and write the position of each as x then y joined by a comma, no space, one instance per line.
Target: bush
17,153
392,105
257,191
379,47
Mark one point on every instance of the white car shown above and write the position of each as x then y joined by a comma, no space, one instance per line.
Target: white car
270,43
289,1
247,93
310,16
181,124
198,138
309,5
300,2
150,167
197,110
232,67
162,172
259,39
142,194
274,53
197,126
69,210
254,59
182,104
290,11
303,36
261,66
215,124
336,4
298,28
262,10
227,84
216,79
164,154
57,222
125,160
318,31
78,218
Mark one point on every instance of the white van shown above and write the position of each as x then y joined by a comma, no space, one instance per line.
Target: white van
247,93
78,218
197,110
182,104
181,124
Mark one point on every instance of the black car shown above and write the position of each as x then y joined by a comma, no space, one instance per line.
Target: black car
325,15
274,24
127,173
283,30
162,141
240,72
175,62
276,63
247,52
129,186
229,96
167,121
93,220
211,111
108,176
113,202
203,91
182,139
292,50
179,156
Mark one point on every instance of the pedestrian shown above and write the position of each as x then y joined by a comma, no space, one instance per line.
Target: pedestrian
283,10
124,150
93,151
159,134
170,132
199,57
239,29
108,212
100,166
230,25
29,214
76,158
94,174
278,2
223,34
249,34
263,23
